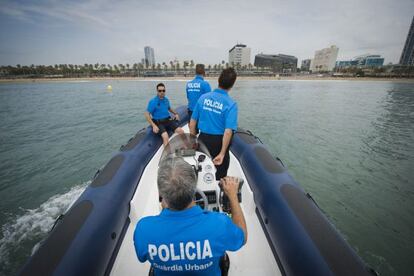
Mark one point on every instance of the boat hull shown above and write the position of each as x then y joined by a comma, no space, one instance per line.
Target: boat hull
303,240
87,239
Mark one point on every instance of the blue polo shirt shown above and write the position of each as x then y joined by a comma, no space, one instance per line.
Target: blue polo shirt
195,88
159,108
190,241
215,111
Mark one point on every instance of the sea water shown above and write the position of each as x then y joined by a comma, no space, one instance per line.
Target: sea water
350,144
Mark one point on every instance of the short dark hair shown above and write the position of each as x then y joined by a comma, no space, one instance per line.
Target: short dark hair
200,69
160,84
227,78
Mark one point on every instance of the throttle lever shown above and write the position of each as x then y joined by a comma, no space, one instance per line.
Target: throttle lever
224,200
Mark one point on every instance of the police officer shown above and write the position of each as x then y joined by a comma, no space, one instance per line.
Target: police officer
158,115
197,87
183,239
216,116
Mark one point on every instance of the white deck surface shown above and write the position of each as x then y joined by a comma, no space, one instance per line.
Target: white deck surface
254,258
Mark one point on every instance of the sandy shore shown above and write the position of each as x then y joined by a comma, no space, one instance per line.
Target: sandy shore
293,78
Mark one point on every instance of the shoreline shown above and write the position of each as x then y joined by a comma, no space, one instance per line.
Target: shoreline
265,78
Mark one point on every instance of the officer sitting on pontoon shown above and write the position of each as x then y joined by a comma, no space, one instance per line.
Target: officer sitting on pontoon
184,239
158,115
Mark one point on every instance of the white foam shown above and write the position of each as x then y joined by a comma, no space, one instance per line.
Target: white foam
35,223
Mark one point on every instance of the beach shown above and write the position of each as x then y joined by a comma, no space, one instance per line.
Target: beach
292,78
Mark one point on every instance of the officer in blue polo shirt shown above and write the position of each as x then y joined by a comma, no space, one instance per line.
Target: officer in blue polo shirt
183,239
197,87
216,116
158,115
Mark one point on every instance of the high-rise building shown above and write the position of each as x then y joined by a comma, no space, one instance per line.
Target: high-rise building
239,55
305,66
149,56
407,55
324,60
279,63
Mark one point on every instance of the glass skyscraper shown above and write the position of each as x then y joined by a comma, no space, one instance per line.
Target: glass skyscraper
149,56
407,55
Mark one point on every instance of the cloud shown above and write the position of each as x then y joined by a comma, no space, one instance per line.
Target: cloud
117,31
14,11
72,12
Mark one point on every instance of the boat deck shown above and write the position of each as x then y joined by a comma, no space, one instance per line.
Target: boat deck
254,258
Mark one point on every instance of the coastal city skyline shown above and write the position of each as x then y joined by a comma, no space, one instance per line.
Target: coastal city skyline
98,31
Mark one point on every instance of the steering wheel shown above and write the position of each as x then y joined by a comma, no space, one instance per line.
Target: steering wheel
203,198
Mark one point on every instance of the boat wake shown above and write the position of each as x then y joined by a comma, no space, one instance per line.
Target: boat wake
29,228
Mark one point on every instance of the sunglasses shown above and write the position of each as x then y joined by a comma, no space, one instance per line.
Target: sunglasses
163,90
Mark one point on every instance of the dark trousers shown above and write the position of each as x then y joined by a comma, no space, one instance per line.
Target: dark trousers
213,144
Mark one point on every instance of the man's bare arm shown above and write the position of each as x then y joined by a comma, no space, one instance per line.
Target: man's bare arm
192,126
177,117
230,186
228,133
155,128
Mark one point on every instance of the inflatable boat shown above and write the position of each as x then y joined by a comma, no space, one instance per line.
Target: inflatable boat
288,233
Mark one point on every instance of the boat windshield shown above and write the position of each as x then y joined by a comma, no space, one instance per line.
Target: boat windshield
183,145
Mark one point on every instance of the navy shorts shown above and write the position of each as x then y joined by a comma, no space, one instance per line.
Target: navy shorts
166,125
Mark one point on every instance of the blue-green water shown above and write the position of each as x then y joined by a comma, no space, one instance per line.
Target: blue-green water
349,143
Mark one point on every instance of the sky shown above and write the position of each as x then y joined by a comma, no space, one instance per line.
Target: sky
52,32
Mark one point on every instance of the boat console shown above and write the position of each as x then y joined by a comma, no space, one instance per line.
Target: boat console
209,194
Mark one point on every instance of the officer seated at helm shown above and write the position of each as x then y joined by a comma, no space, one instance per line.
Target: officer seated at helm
183,239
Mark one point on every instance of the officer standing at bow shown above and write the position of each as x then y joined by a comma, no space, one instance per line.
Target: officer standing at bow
196,87
216,116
